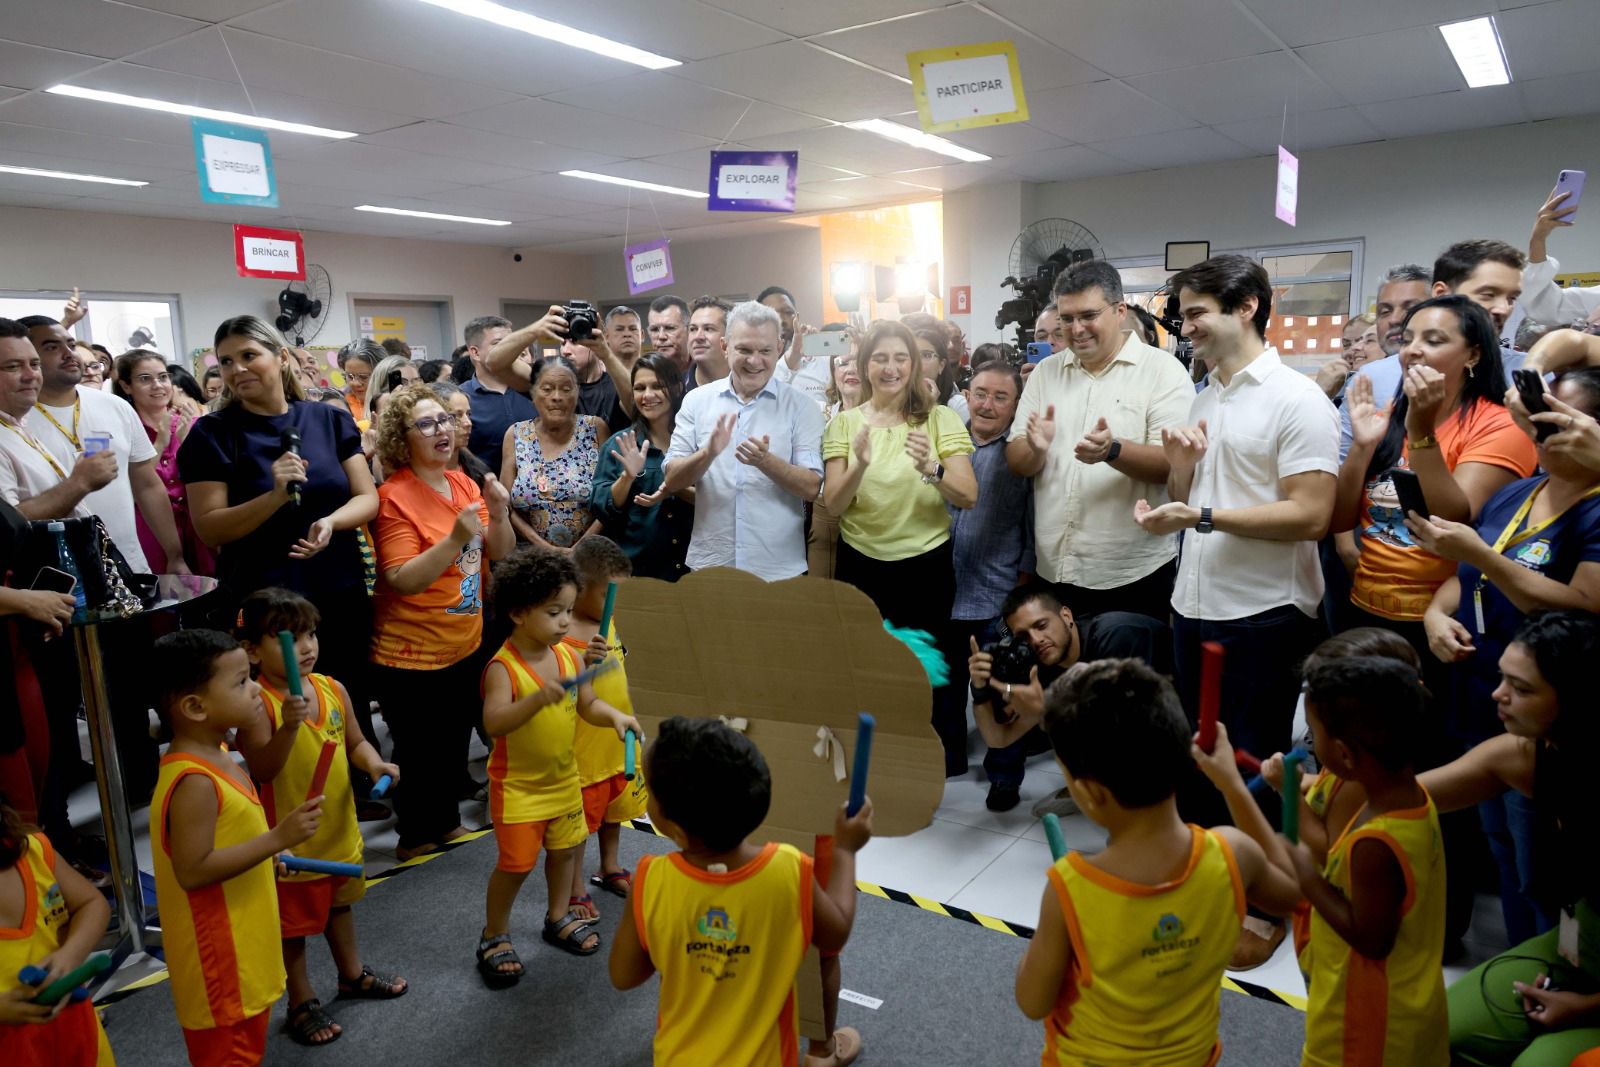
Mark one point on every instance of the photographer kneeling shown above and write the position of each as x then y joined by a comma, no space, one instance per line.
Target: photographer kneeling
1010,676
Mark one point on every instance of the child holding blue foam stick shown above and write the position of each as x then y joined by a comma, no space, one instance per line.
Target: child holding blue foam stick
1127,961
283,747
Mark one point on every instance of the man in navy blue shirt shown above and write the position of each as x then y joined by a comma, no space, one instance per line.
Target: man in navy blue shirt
496,402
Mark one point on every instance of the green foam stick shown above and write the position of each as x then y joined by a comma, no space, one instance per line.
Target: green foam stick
1291,798
92,967
1052,832
291,663
605,615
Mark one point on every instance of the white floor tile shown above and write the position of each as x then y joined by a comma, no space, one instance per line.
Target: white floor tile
965,800
935,862
1011,886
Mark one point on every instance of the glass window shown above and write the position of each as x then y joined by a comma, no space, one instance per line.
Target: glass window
119,321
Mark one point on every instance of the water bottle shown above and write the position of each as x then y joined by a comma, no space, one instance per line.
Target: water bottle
65,561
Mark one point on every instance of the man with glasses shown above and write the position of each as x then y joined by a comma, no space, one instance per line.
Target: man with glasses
1088,432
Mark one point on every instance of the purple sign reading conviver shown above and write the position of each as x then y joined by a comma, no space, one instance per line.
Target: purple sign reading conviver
753,181
649,265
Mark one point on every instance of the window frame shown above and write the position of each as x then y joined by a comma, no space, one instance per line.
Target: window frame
84,329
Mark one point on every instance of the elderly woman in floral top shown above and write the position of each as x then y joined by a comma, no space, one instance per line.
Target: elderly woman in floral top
549,461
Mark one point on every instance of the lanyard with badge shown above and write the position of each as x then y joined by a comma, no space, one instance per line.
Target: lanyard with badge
37,447
1510,538
72,434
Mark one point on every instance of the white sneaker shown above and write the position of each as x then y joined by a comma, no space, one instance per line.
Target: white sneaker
1058,803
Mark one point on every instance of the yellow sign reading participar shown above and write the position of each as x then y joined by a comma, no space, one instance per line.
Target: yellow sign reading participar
967,87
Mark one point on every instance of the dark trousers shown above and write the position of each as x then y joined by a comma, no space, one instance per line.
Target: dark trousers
918,594
1260,687
1150,595
430,715
1002,766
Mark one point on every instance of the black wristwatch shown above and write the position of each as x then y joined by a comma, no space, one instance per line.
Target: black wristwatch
1204,525
936,477
1114,451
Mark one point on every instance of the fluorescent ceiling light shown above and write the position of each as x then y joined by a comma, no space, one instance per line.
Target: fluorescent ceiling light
513,19
1476,46
609,179
433,215
34,172
235,117
917,139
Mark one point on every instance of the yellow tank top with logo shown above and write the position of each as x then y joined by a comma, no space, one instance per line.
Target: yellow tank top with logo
533,770
1363,1012
727,946
37,935
600,751
1319,798
1147,961
222,944
338,838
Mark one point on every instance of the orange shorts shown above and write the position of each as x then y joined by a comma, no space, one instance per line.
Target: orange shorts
822,867
73,1037
240,1045
520,842
614,800
304,905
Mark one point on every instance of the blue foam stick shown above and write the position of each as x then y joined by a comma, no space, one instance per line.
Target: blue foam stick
1052,834
630,755
605,615
381,786
300,863
31,975
1259,782
584,677
865,724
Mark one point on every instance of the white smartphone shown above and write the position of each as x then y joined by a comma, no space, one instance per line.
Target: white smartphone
825,343
1570,182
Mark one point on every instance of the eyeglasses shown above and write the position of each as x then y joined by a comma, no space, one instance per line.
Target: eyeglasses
431,427
147,380
358,377
1087,318
843,361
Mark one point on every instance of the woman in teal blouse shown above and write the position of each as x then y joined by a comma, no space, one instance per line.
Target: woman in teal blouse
627,499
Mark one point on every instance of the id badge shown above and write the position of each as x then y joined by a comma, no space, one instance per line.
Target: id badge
1567,936
1477,610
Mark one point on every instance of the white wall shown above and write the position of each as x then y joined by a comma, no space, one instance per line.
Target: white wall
1408,199
61,249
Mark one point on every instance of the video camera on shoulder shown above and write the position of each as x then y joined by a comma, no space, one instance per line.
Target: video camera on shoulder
1013,663
583,321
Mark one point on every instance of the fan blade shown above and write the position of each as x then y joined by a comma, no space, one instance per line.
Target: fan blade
315,309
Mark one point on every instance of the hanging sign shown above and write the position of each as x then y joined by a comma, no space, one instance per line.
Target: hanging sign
753,181
649,265
235,164
971,85
1288,184
264,253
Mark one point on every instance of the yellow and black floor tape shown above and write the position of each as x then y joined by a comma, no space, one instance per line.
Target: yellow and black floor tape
988,922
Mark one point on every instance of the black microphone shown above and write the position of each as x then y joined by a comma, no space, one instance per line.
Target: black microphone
291,443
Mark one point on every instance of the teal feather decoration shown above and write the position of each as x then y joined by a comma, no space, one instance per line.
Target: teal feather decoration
921,643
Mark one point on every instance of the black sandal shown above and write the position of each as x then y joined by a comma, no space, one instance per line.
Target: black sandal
489,964
307,1019
569,932
381,987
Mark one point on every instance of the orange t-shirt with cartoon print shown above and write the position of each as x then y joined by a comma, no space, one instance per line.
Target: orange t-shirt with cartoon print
443,624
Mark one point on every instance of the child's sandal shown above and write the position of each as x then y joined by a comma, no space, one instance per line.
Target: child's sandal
584,906
489,962
617,883
569,932
380,986
306,1020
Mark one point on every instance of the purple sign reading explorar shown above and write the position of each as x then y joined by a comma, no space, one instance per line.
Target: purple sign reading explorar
753,181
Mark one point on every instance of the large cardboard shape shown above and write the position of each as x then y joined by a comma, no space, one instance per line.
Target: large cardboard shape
788,657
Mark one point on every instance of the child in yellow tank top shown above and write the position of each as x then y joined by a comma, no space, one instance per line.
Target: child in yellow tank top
1126,964
51,918
213,852
535,798
284,749
724,920
1375,991
609,797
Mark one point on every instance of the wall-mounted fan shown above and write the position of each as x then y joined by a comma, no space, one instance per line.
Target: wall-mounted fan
303,305
1039,253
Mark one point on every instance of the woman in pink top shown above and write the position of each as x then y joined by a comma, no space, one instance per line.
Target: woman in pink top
142,380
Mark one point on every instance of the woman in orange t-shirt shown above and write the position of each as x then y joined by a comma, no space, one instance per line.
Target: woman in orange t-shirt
433,530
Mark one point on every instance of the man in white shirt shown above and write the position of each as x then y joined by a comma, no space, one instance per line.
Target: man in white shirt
750,500
1543,300
70,421
31,479
1088,432
811,375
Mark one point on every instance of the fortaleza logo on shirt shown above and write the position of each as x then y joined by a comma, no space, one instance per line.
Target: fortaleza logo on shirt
1168,937
716,925
717,948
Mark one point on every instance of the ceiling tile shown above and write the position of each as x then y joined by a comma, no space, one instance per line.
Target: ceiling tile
1175,149
381,181
798,76
205,10
803,17
862,190
415,164
1464,109
1312,129
885,45
1552,98
1101,110
1065,164
73,145
1386,66
1140,36
681,29
851,150
96,27
37,195
955,176
1239,89
471,146
662,99
1300,23
267,63
1011,139
51,161
559,124
490,199
1550,39
28,67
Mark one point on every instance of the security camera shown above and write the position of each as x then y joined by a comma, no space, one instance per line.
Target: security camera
516,257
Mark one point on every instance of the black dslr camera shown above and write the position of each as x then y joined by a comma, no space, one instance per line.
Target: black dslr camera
1013,662
583,321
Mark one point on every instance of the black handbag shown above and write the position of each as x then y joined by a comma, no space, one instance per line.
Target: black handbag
110,587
